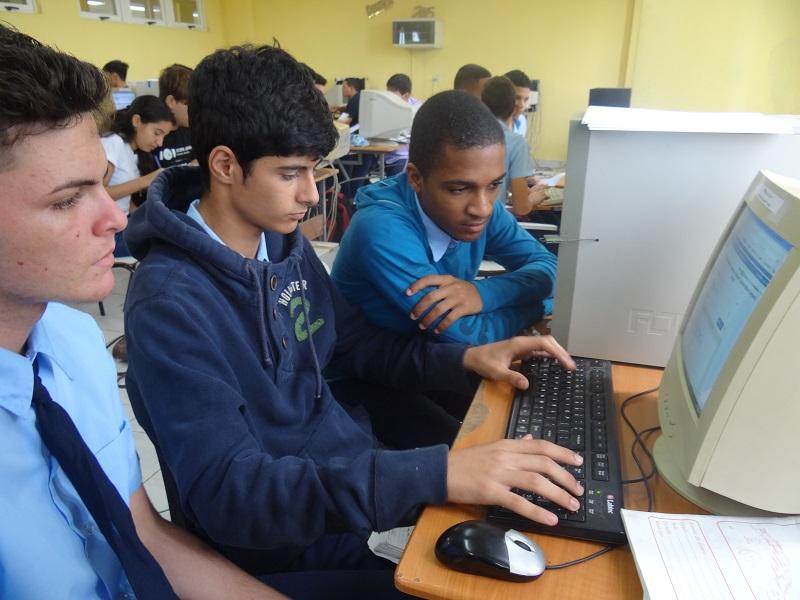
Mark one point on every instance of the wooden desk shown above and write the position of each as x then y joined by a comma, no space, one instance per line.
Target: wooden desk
379,150
611,576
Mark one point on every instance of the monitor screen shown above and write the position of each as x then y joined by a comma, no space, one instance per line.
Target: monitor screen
742,270
122,97
384,115
728,399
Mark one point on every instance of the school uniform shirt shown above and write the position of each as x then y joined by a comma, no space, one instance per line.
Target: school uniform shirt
390,243
352,109
520,124
126,167
50,546
176,149
518,161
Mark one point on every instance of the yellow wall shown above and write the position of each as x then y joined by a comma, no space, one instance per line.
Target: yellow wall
718,55
147,49
680,54
569,46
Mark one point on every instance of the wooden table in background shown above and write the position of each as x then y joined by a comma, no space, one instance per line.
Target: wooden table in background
611,576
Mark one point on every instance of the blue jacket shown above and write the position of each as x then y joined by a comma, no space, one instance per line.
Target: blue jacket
225,355
385,249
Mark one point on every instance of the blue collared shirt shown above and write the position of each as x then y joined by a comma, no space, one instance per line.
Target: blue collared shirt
439,241
194,213
520,124
50,546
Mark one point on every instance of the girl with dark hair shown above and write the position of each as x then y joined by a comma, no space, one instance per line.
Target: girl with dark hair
135,132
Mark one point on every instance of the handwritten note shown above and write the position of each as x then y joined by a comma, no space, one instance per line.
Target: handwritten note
687,557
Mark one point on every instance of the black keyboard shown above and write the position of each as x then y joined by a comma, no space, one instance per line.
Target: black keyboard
574,409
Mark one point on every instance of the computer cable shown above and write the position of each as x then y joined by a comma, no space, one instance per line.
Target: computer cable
639,439
579,561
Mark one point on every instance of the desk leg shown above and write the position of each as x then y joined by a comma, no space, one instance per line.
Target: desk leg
324,204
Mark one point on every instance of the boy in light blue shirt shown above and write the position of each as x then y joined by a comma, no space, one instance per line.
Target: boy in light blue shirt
57,226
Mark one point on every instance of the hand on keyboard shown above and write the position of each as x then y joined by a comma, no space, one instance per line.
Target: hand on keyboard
486,474
493,361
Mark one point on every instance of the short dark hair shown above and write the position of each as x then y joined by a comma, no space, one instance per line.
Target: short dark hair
519,78
499,94
469,75
453,118
400,83
318,79
258,101
357,83
41,89
118,67
175,81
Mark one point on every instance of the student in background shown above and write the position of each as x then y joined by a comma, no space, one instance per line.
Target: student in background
68,466
136,132
471,78
499,95
117,73
351,89
522,87
411,253
400,84
233,320
173,89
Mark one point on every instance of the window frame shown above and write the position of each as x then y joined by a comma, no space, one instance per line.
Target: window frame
29,6
132,16
116,18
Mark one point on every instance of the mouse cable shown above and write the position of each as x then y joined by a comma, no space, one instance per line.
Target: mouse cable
578,561
638,439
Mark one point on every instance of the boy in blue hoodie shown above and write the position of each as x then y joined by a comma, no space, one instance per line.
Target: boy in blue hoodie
412,251
231,320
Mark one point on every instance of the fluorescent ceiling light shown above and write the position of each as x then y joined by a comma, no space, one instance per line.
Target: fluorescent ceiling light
137,7
95,3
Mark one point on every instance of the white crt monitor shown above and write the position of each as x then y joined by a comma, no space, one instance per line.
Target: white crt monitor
383,115
729,403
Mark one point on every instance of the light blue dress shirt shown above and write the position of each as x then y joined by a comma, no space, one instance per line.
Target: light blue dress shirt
194,213
518,161
50,546
520,124
439,240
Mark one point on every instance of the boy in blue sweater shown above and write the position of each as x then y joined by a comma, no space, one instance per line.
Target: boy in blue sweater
231,320
411,253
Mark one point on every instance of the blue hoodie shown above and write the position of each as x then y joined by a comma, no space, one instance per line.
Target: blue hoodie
225,355
385,249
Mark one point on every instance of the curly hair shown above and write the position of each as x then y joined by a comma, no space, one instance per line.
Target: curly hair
258,101
455,118
41,89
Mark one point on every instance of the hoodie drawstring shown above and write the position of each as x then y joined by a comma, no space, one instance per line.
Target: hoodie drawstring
262,326
317,370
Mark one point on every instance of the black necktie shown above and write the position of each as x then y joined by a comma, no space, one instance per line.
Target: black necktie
99,495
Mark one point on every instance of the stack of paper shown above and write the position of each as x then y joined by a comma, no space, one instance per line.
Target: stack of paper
390,544
703,557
